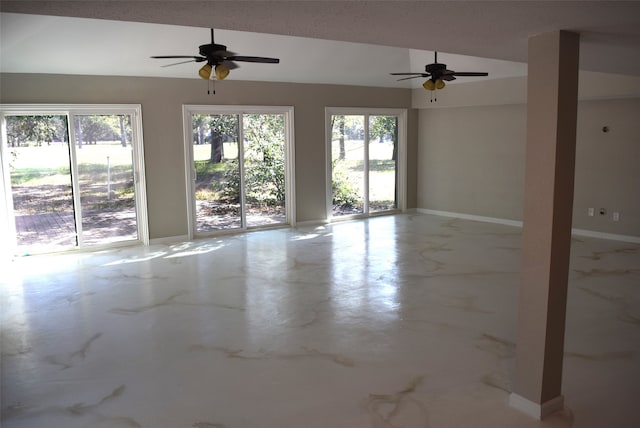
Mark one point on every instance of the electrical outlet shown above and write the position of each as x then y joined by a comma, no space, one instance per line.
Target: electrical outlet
591,212
616,216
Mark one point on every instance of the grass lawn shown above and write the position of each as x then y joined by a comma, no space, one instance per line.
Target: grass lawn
43,198
40,176
202,152
381,168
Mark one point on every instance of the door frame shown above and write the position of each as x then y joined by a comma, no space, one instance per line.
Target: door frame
401,166
190,174
71,110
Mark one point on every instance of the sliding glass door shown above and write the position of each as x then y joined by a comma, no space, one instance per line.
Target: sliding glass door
239,166
348,164
382,158
264,159
216,169
105,177
73,176
365,150
37,154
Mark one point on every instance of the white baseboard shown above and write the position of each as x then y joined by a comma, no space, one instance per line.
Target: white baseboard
515,223
538,411
518,223
169,240
602,235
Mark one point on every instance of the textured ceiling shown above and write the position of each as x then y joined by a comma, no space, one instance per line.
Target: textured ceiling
610,30
63,45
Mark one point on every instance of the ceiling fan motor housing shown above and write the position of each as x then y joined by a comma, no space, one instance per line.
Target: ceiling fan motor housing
209,50
435,68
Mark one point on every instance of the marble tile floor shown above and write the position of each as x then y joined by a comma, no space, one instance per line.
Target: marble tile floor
399,321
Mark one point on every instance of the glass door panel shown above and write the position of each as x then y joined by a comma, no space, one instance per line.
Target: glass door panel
264,168
104,155
41,187
217,172
347,164
383,155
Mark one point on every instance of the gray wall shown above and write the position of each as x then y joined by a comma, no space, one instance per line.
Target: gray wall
471,160
162,101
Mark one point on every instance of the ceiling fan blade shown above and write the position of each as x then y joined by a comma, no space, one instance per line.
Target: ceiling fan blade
178,56
469,73
448,77
224,54
409,74
412,77
253,59
176,63
230,65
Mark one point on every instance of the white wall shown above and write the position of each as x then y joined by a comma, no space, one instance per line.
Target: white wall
608,165
471,158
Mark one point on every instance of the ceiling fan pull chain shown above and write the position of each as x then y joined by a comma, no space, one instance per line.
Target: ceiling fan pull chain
211,84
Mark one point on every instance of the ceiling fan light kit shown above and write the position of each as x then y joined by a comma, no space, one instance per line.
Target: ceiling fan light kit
432,85
205,72
221,72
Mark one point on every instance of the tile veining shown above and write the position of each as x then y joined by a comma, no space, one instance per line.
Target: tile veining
600,295
139,309
630,318
394,321
172,301
89,413
598,255
67,361
82,408
502,348
125,276
497,380
385,409
605,356
207,425
433,265
453,224
465,303
262,354
593,273
434,248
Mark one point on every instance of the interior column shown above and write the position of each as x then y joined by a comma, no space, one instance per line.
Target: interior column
552,92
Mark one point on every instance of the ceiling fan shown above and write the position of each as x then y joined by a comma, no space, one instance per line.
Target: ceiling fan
437,74
219,60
